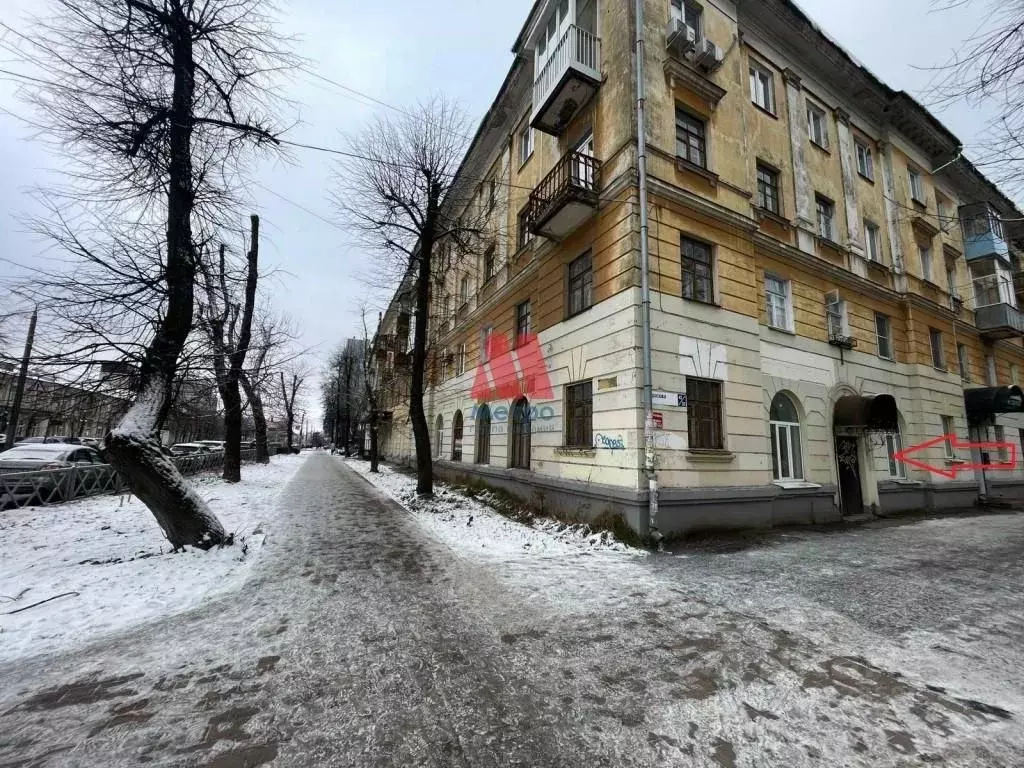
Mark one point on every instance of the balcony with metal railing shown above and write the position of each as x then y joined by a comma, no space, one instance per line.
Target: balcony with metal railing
996,315
566,197
568,79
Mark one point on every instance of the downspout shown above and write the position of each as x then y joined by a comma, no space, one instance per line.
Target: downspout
650,458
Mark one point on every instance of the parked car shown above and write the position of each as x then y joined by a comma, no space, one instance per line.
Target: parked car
189,449
214,445
52,439
27,471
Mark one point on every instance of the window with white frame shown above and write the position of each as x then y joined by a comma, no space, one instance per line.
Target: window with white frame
826,217
916,186
883,336
926,262
485,343
951,280
865,160
460,359
817,127
784,423
835,315
762,88
949,433
525,144
963,358
464,291
778,302
893,446
873,241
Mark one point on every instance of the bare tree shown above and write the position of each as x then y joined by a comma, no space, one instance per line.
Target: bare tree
343,393
229,327
988,71
289,393
157,103
271,346
404,201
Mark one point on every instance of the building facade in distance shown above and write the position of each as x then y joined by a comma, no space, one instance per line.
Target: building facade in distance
830,281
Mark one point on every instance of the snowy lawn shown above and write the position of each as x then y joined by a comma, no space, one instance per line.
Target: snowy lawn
472,525
110,550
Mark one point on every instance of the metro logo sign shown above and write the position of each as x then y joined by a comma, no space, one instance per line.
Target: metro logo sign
509,374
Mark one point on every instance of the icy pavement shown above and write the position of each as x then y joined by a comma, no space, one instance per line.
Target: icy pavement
111,552
368,635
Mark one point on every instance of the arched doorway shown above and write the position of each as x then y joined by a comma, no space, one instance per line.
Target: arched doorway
519,435
438,435
483,434
457,436
855,418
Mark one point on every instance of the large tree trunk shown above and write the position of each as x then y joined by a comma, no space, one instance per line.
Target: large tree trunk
259,420
232,400
374,452
133,447
420,431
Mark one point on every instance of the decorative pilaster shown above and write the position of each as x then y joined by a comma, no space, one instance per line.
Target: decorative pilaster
892,216
802,194
848,163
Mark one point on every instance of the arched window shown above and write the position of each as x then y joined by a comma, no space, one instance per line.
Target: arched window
457,436
520,434
483,434
784,422
438,435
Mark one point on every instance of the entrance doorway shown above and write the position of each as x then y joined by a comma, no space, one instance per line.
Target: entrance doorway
848,460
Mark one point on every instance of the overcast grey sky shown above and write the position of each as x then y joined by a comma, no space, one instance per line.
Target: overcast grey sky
396,52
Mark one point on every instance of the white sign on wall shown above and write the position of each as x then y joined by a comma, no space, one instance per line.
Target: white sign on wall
668,399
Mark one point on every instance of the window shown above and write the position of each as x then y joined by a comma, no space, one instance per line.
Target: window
883,336
579,413
865,160
926,262
873,241
835,315
492,195
964,359
826,217
525,144
522,323
942,206
444,364
581,284
489,262
483,434
464,291
460,359
698,271
690,141
894,445
768,188
817,128
438,435
999,433
990,371
784,423
690,14
916,186
777,300
519,447
938,353
949,432
1014,374
762,90
704,413
525,236
485,343
951,281
457,436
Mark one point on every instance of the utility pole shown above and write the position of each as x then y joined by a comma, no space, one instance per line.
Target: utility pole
19,390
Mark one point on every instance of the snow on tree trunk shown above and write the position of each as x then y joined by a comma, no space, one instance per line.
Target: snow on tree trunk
259,420
132,448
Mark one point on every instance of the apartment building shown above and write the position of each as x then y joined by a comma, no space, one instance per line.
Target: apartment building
830,281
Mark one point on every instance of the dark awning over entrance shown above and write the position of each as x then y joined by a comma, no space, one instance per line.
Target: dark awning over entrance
875,412
988,401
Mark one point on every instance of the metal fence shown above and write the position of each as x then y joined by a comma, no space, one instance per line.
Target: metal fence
57,486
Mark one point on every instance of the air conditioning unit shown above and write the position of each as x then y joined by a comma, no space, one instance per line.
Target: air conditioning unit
709,56
682,38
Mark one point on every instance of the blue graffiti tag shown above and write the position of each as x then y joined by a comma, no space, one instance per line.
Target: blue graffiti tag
615,443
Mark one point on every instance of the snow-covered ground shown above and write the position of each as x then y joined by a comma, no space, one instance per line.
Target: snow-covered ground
110,550
472,526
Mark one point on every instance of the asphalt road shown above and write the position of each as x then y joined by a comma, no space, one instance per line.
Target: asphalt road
363,641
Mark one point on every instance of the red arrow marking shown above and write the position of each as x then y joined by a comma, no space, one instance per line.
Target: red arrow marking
951,472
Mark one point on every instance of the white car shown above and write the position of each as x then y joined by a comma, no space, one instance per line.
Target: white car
190,449
213,445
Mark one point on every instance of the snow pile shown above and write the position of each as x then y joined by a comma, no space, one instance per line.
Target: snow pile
472,524
111,552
